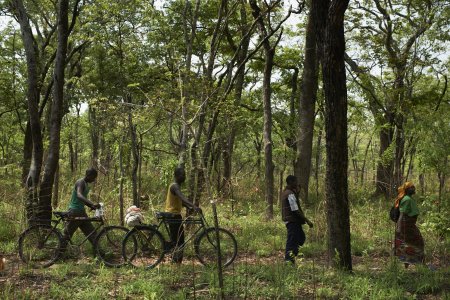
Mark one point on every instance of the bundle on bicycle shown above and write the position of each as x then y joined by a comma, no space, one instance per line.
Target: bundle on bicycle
41,245
145,245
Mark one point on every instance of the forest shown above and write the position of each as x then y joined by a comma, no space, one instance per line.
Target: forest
350,97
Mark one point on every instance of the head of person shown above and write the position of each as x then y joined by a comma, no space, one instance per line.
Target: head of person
90,175
410,189
180,175
291,182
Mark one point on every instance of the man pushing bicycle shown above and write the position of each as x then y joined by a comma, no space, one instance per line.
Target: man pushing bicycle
175,200
78,201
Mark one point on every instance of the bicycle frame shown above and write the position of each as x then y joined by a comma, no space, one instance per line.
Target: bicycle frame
64,219
95,231
189,220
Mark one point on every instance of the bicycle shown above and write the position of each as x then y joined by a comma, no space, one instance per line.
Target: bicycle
41,245
145,245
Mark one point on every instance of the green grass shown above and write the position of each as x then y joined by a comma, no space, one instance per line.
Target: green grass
259,272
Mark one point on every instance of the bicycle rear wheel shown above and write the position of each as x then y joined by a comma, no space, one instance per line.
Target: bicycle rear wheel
143,247
206,247
108,245
40,246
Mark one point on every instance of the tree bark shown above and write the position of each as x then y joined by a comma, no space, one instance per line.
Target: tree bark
239,86
308,97
318,158
269,53
330,16
95,135
189,37
135,153
200,166
121,181
32,57
51,165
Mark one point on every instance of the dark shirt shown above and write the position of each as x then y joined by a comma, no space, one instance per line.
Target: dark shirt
290,207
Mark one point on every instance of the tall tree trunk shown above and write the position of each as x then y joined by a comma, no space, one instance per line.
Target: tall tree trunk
307,105
257,142
27,153
121,181
331,36
55,199
72,162
189,37
33,91
51,165
239,86
318,158
291,136
363,168
385,166
200,166
269,53
135,153
422,183
95,135
269,166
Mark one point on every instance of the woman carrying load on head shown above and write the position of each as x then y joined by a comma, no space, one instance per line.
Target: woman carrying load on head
409,244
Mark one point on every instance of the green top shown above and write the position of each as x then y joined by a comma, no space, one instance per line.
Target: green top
408,206
75,203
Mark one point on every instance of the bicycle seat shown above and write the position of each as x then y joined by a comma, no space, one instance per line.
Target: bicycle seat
164,215
61,214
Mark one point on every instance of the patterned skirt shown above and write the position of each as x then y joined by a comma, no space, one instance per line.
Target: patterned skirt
409,244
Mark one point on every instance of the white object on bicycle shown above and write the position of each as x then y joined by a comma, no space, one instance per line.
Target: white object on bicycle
134,216
99,212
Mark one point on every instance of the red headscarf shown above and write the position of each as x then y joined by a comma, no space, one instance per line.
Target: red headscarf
402,192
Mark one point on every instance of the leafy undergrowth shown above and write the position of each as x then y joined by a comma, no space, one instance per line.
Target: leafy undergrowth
258,272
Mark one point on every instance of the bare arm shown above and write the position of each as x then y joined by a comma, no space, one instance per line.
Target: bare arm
302,215
81,186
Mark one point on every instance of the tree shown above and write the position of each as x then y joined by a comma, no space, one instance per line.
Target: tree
38,65
331,42
51,164
242,50
265,31
306,109
392,33
33,126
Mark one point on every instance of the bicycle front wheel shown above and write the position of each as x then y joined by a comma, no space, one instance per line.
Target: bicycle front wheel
40,246
206,247
108,245
143,247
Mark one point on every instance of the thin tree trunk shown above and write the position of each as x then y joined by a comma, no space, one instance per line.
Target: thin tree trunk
135,153
27,153
121,181
269,166
46,187
72,162
363,168
269,53
318,158
291,137
95,136
189,37
308,98
239,86
422,183
55,199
